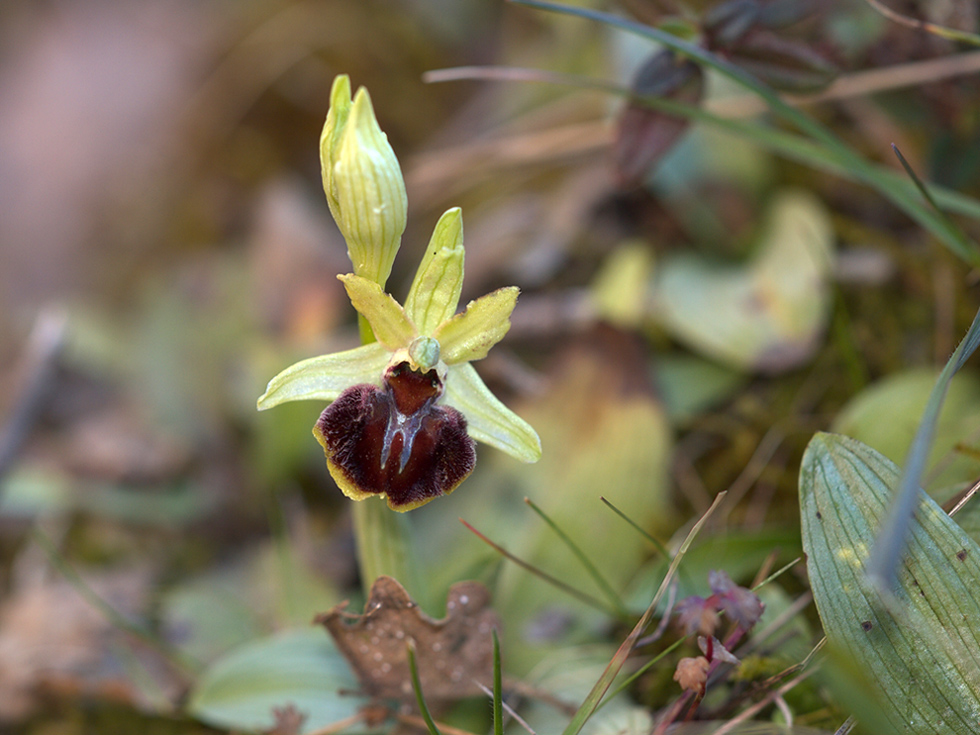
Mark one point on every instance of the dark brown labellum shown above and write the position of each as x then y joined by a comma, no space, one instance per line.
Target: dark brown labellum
395,440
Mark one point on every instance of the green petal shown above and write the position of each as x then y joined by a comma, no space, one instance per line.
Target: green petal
327,376
387,318
488,420
434,294
470,335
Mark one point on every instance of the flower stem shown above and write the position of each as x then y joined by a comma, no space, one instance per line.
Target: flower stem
384,546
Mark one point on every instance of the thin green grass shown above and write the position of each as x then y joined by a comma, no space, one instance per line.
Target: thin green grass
417,688
611,595
657,544
568,589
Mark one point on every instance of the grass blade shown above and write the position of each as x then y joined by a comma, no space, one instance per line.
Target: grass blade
659,546
611,595
778,573
697,53
640,672
182,664
417,686
964,240
950,34
564,587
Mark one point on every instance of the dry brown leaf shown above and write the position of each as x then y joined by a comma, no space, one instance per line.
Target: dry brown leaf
453,654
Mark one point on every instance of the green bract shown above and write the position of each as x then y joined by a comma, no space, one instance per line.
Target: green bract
427,334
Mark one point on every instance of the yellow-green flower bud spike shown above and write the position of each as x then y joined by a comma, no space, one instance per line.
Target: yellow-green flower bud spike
424,353
434,294
363,183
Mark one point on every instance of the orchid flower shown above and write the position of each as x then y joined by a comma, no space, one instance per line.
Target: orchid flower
405,410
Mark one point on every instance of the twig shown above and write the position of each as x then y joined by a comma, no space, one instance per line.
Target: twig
338,726
753,470
923,25
752,711
965,499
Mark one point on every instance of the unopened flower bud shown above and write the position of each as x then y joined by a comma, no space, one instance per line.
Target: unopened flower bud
363,182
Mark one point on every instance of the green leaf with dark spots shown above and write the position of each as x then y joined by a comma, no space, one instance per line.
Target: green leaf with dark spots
920,646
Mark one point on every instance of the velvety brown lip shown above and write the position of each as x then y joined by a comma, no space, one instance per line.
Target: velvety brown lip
396,440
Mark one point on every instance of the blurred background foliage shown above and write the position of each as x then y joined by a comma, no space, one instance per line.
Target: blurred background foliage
165,248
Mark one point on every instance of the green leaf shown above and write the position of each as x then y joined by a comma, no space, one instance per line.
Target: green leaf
488,420
767,314
470,335
390,324
434,294
325,377
920,643
299,667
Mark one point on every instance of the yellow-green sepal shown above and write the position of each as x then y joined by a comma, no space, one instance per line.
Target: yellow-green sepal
390,324
488,420
325,377
470,335
434,294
